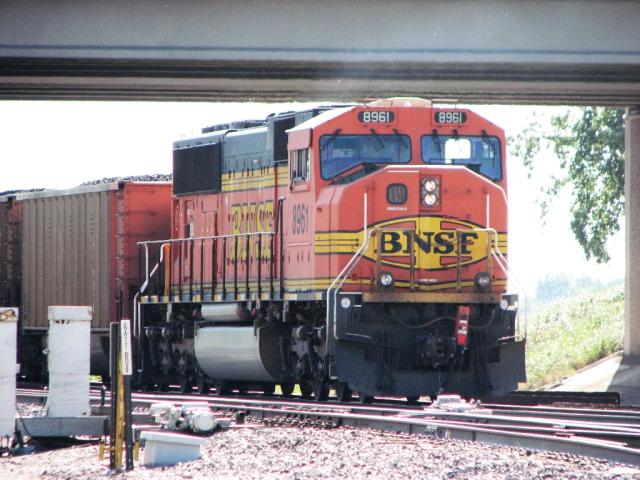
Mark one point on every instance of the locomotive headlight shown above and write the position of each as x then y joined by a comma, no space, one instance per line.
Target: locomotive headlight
482,281
430,185
385,279
430,199
430,192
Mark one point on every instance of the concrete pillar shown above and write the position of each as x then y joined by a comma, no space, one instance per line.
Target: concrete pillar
632,233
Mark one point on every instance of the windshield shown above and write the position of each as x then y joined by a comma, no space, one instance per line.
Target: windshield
479,153
339,153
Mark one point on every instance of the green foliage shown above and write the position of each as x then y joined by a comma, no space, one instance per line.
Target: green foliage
572,333
591,153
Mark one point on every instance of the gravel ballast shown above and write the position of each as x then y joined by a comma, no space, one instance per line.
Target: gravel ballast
254,451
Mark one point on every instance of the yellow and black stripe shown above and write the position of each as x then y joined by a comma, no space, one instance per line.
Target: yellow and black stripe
255,179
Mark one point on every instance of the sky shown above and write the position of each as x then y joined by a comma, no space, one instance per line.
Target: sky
60,144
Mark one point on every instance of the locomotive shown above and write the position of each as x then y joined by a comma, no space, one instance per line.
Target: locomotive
357,248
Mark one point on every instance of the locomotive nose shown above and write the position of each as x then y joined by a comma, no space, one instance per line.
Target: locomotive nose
397,212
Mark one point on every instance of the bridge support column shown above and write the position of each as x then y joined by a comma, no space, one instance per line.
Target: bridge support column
632,233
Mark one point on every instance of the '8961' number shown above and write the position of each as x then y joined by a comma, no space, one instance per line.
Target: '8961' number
376,116
450,117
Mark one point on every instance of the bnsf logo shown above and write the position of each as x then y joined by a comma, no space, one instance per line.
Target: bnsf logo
437,241
442,243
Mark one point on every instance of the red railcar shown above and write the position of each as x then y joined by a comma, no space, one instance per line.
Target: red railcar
79,247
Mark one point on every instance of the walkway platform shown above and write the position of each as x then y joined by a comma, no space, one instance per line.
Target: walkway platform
615,373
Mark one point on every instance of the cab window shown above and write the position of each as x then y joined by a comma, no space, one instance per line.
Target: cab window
478,153
339,153
299,170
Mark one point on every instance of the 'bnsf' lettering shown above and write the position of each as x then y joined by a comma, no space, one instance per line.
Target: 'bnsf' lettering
252,217
442,243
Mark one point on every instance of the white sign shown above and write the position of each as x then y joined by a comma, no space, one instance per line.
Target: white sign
125,347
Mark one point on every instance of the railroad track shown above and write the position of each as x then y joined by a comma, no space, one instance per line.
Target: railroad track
612,434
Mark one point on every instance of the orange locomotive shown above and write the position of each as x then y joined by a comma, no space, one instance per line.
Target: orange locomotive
359,247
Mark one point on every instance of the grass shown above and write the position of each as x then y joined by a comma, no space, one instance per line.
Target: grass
571,333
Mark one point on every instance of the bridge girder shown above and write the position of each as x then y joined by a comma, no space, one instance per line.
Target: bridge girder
494,51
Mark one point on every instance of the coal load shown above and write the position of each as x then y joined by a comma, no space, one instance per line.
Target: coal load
156,177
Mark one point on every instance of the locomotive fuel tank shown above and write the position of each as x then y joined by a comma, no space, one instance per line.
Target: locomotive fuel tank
240,353
225,313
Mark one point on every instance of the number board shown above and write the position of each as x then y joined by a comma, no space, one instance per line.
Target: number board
376,116
451,117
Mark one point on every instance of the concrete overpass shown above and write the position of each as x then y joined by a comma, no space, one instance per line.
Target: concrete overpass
578,52
495,51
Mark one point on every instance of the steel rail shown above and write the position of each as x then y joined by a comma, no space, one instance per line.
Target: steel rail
605,441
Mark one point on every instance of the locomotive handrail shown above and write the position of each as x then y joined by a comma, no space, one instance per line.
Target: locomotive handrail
213,237
143,287
342,277
502,261
180,241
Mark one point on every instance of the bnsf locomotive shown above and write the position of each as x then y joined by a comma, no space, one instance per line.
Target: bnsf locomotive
360,248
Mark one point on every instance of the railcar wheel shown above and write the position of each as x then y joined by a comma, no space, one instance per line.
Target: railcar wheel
412,399
287,389
268,389
343,392
364,398
221,389
185,385
306,389
202,383
320,390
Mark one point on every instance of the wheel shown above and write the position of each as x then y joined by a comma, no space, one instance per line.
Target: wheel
320,390
343,392
163,386
146,383
412,399
364,398
202,383
221,389
268,389
184,383
287,389
306,389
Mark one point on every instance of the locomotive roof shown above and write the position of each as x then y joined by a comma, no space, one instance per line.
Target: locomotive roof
320,119
216,133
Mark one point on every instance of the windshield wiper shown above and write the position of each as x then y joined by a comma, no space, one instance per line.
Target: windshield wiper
333,136
488,142
401,137
436,140
377,137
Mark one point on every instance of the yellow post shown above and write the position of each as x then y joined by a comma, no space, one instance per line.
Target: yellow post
136,450
119,417
101,449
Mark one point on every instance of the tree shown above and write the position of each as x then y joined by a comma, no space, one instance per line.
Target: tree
553,287
589,142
